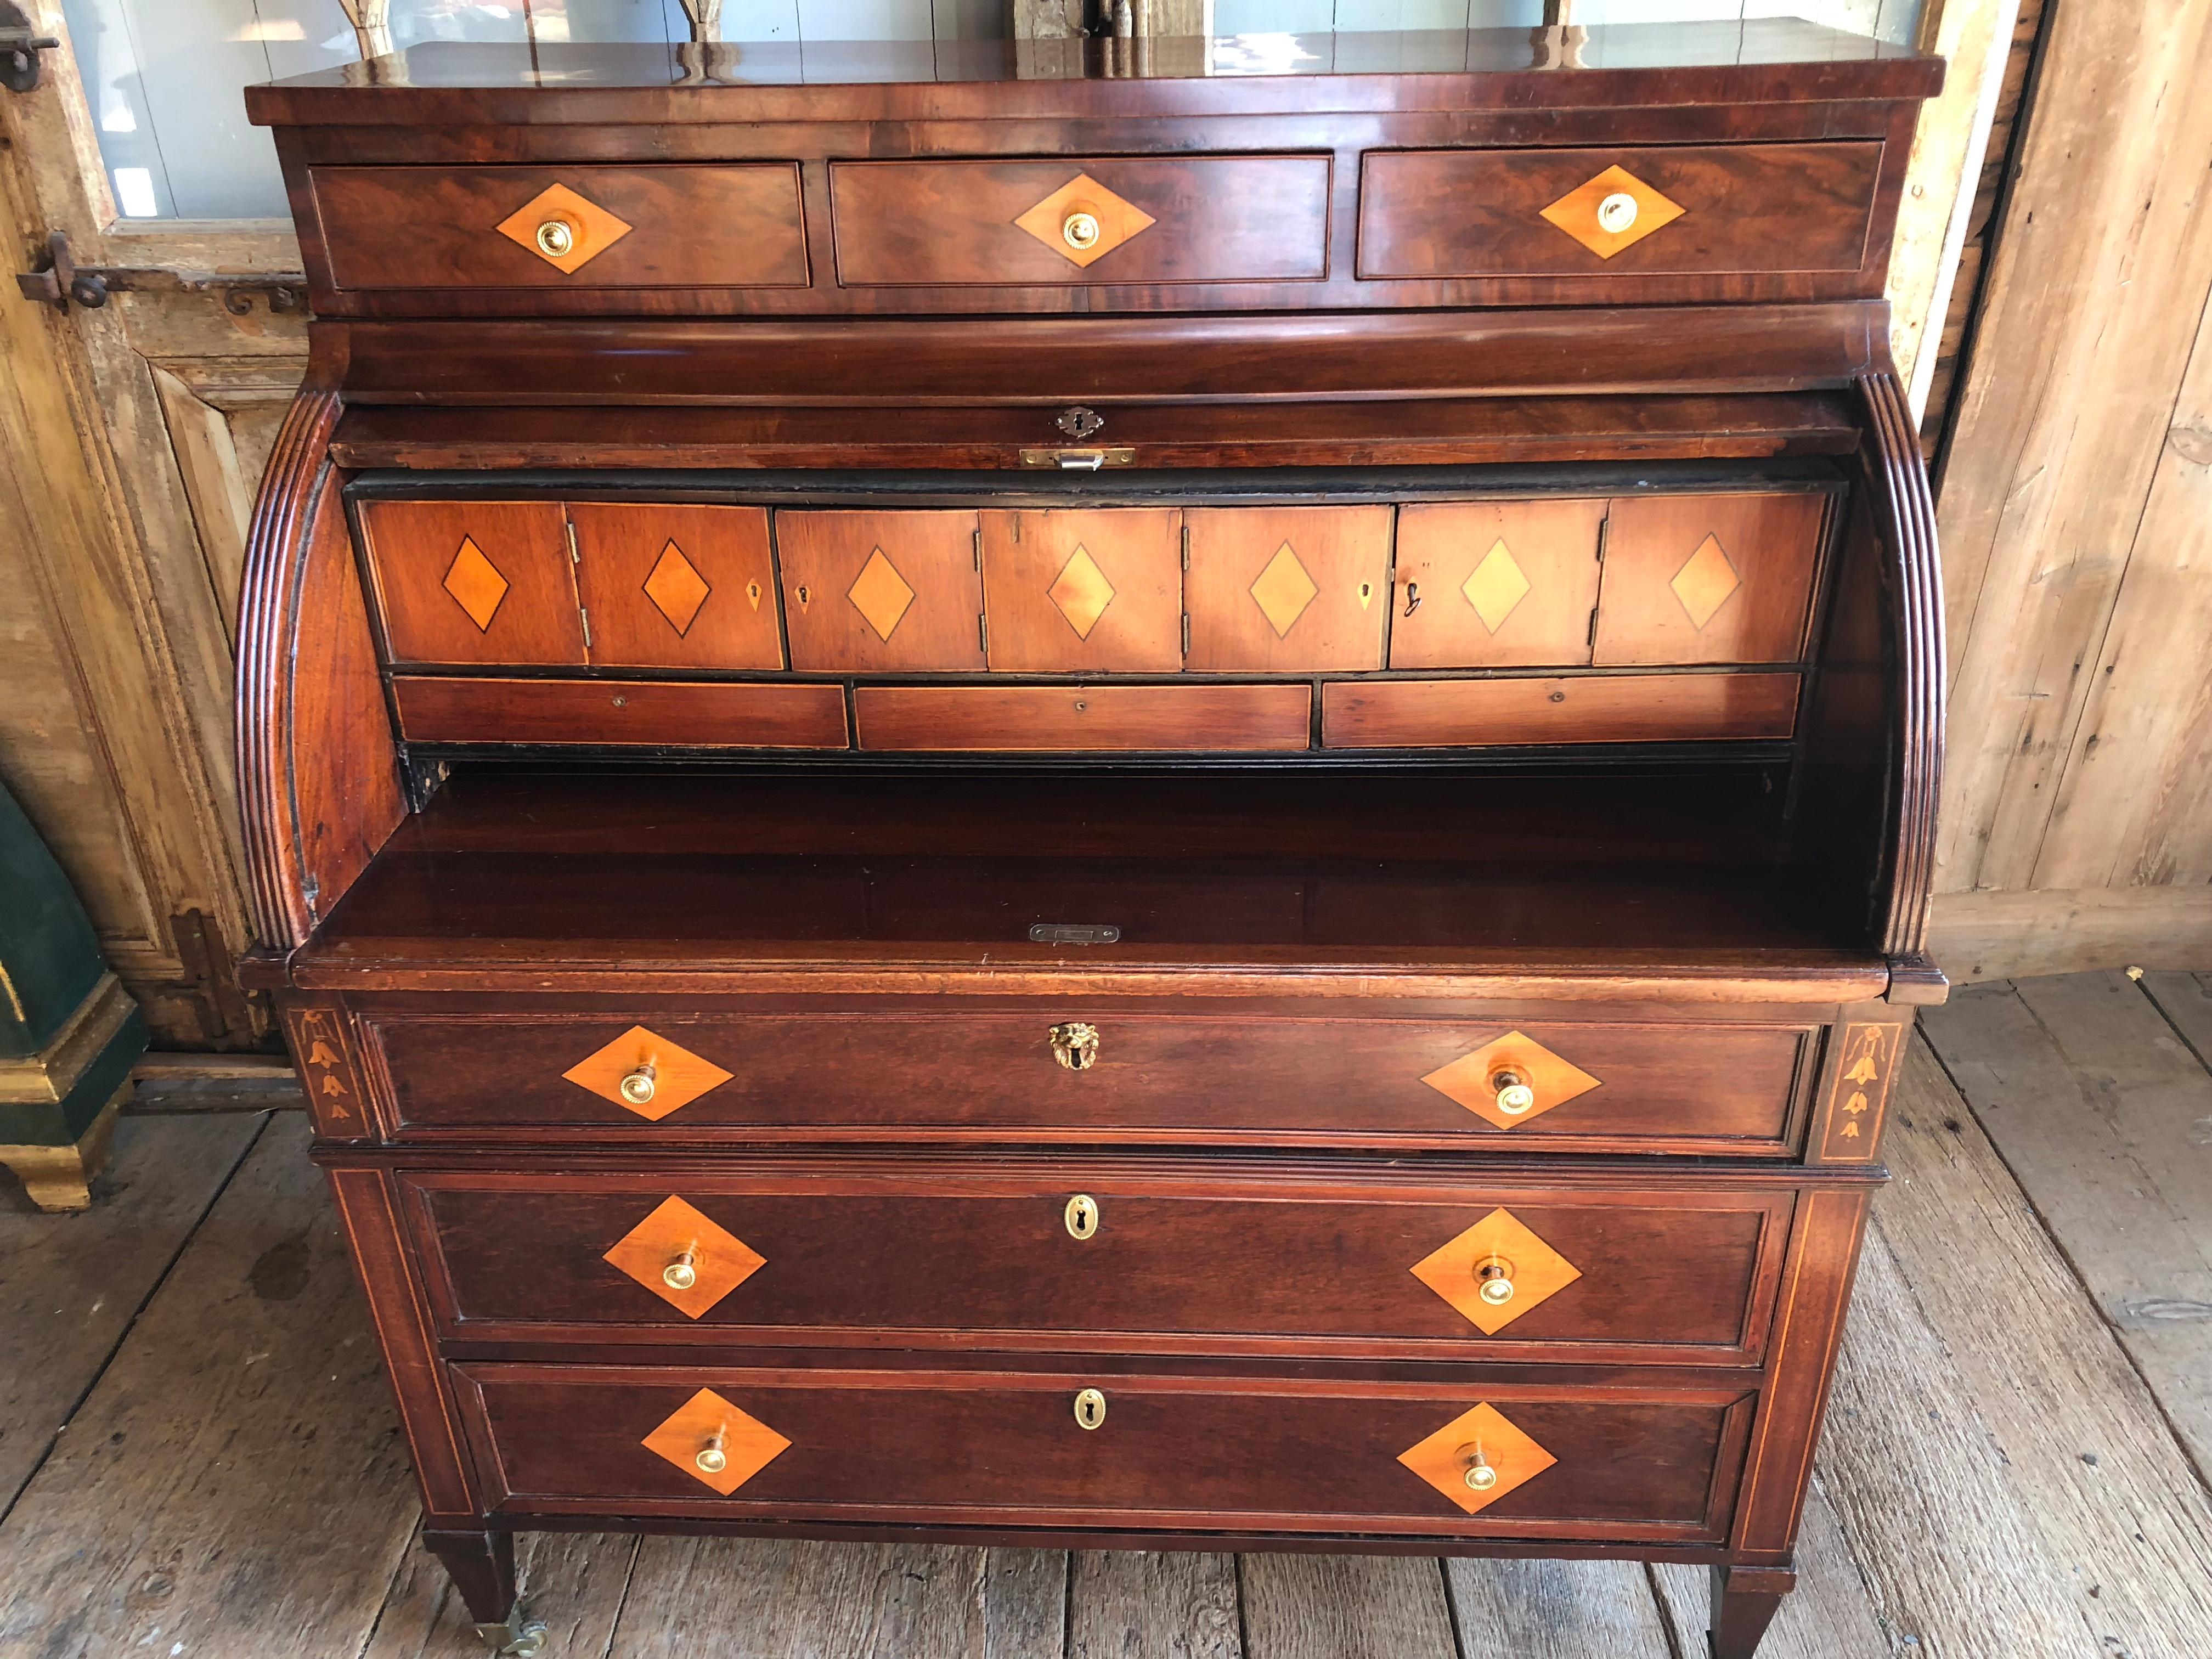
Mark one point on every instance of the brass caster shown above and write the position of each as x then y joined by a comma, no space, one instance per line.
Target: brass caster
514,1637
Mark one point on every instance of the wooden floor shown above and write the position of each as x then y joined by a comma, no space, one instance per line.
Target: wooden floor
198,1455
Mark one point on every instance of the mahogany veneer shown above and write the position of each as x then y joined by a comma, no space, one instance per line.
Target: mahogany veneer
1020,794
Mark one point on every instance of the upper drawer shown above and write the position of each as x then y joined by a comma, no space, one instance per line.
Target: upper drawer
1179,219
729,225
1690,208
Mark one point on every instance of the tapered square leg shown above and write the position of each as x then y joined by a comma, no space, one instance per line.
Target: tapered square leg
481,1567
1744,1601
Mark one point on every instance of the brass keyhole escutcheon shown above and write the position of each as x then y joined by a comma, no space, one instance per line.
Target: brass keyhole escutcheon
1515,1096
682,1273
712,1459
1481,1476
1075,1045
555,237
1080,230
637,1087
1089,1409
1497,1276
1082,1216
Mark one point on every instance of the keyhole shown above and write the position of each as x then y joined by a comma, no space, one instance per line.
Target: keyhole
1412,598
802,593
1082,1216
1089,1409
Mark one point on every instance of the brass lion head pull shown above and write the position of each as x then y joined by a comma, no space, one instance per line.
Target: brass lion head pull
1075,1045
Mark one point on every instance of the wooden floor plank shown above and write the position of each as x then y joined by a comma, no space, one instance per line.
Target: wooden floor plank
1344,1606
573,1583
70,1285
1509,1609
1145,1604
235,1484
1829,1615
2186,1000
2095,1104
747,1599
2004,1477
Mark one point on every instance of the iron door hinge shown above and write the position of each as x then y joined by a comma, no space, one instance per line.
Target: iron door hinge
20,47
59,281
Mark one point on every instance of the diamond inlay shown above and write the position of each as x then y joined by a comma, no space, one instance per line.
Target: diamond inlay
1117,221
1500,1254
1496,586
591,229
676,1236
677,589
707,1423
880,594
1284,591
1473,1080
1483,1443
475,584
678,1077
1082,591
1582,213
1705,582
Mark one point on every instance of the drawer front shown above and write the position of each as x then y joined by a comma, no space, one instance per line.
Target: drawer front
1084,592
1552,1461
724,226
1589,709
671,586
1708,578
1041,719
1094,219
1756,208
868,592
474,582
1496,584
1287,589
1707,1088
1094,1257
619,713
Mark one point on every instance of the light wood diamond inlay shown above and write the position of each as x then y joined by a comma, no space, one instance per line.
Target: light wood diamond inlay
686,1260
677,589
1705,582
475,584
880,594
1284,591
737,1446
1502,1257
1082,591
678,1076
1496,586
1482,1443
1590,213
1117,221
591,230
1482,1081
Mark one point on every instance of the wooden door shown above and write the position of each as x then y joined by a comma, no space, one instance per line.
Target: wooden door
673,586
1085,591
1496,584
1699,579
473,581
1287,589
868,592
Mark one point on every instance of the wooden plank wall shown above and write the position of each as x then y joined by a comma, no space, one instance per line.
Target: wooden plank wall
2075,506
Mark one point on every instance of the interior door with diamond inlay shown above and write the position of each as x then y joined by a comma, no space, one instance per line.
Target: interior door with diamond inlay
1699,579
474,582
1287,589
1079,592
667,587
868,592
1496,584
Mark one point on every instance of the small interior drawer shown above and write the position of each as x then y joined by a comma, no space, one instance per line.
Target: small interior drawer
1075,719
1586,708
619,714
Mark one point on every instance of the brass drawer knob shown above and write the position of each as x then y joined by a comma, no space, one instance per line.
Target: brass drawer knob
1082,1216
712,1459
1497,1276
1616,213
555,237
638,1086
1515,1096
1089,1409
1080,230
682,1273
1481,1476
1075,1045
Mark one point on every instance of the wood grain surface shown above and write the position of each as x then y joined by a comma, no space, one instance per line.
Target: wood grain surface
658,713
1082,592
1546,552
1038,719
525,606
1330,591
1593,708
931,556
711,568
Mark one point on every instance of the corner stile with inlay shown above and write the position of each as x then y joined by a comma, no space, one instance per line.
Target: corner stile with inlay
964,784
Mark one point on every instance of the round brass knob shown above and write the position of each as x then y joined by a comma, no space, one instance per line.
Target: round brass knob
712,1459
1497,1277
682,1273
1089,1409
555,237
1480,1477
1616,213
1074,1044
1080,230
637,1087
1515,1096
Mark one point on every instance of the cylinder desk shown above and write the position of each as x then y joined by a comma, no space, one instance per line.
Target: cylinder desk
1159,794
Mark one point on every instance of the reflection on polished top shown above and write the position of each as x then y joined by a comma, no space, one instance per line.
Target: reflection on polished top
1862,67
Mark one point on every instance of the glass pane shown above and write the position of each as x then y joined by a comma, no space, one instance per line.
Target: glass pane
165,77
